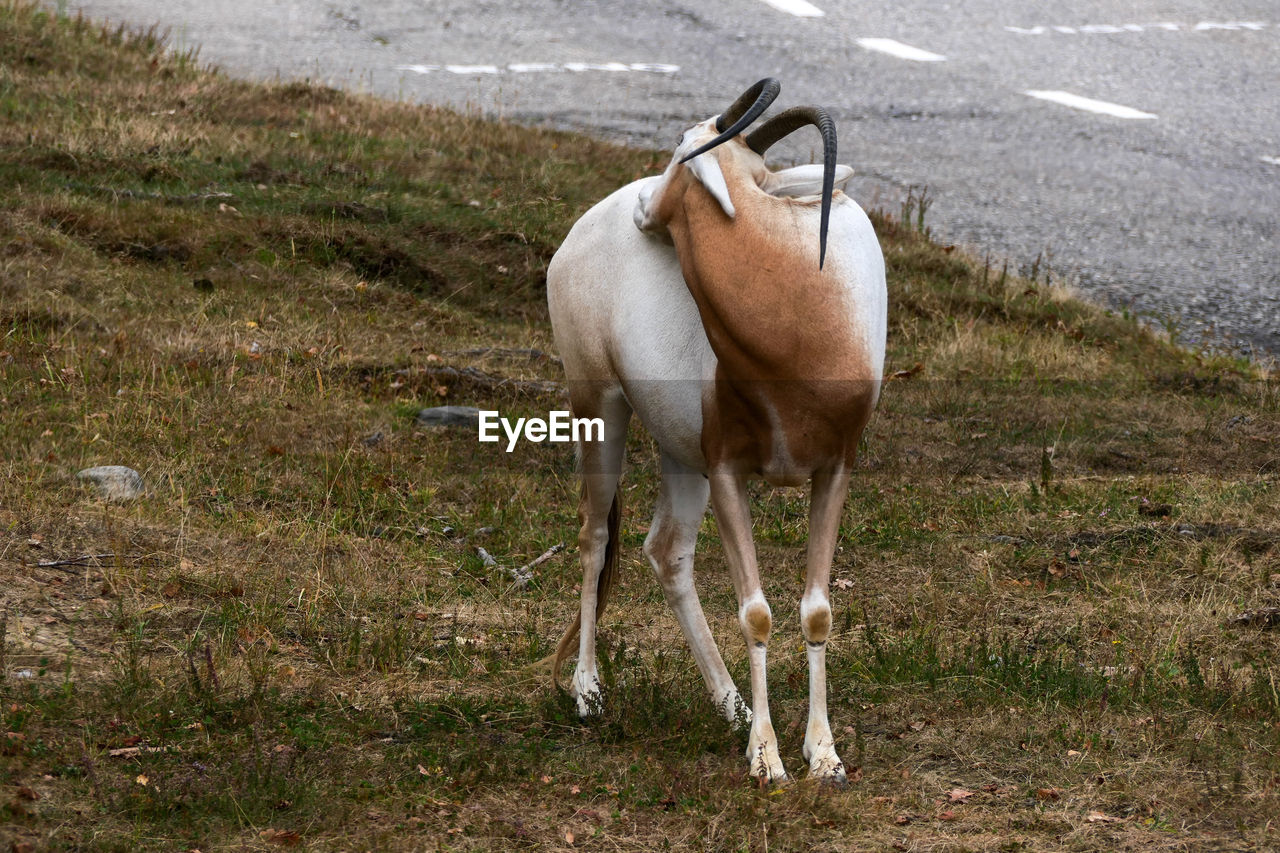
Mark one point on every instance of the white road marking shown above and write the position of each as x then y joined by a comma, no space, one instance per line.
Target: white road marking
1274,161
534,67
797,7
545,68
595,66
1168,26
900,50
1081,103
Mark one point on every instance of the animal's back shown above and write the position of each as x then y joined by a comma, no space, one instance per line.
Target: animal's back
623,317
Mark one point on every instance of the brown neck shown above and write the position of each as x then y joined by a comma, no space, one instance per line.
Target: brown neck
792,388
768,311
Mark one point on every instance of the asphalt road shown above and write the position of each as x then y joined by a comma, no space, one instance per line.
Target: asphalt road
1165,202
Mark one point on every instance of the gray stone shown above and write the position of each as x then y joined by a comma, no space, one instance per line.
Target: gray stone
114,482
464,416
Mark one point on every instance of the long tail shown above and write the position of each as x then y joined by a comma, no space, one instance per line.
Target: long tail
569,642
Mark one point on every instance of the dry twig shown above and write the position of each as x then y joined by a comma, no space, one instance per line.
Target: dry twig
524,574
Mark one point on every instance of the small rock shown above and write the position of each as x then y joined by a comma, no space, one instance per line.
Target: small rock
466,416
114,482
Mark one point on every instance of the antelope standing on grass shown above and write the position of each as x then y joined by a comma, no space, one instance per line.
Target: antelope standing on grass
751,350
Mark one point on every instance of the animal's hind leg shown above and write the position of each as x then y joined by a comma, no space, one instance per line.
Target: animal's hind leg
826,507
733,516
601,463
682,503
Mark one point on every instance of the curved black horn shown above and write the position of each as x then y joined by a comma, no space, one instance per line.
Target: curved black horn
789,121
741,113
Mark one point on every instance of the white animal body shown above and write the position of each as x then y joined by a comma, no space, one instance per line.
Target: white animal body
717,328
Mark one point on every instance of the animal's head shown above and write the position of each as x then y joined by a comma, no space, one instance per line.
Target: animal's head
702,148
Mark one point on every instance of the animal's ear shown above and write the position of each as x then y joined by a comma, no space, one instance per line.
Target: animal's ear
706,168
802,181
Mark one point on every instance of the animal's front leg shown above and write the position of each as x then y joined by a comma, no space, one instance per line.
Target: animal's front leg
826,507
729,502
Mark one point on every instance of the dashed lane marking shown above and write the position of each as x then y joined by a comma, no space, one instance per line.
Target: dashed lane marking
1167,26
799,8
900,50
1080,102
1274,161
545,68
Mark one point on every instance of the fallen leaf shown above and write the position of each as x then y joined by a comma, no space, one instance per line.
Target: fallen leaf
1048,794
283,837
959,795
25,793
1099,817
909,372
948,815
902,820
142,779
568,837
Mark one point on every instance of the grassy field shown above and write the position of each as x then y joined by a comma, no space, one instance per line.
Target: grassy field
1057,595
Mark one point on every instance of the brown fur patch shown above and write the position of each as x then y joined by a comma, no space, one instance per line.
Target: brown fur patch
794,388
817,626
758,622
